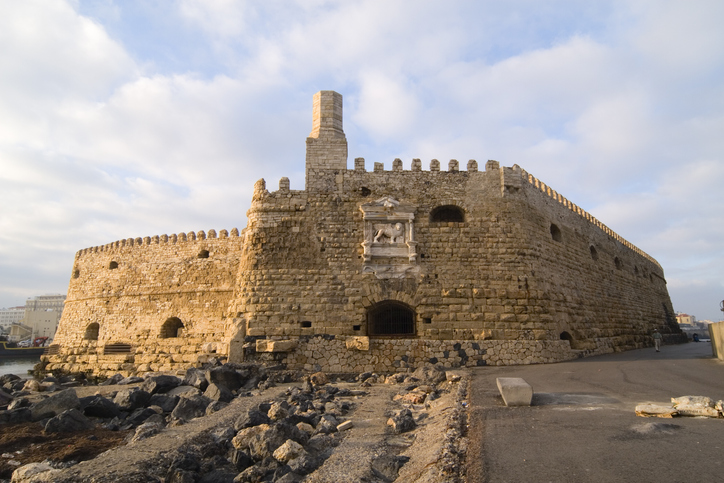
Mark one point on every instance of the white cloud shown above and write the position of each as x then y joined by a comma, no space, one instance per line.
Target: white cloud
617,106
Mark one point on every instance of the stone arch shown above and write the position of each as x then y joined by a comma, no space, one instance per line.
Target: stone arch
447,213
91,331
594,252
391,318
171,328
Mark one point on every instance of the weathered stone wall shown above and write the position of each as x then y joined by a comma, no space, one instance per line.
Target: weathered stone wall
501,274
464,267
130,288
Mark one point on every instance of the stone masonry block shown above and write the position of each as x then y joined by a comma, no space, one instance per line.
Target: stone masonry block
515,391
263,345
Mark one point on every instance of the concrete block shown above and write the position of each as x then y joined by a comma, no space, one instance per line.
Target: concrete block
515,391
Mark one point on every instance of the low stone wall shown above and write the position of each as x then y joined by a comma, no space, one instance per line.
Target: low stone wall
331,353
163,355
716,332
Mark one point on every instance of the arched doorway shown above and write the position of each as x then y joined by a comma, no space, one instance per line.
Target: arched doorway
392,319
171,328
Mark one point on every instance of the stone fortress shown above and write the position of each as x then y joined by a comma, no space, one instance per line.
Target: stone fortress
368,271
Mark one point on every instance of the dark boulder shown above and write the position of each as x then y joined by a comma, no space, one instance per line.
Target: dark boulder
402,421
225,376
15,416
114,379
164,401
6,378
189,408
68,421
99,407
160,384
5,399
218,393
55,404
138,417
253,417
196,378
129,380
19,402
131,398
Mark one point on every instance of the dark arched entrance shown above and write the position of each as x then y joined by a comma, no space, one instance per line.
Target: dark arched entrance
392,319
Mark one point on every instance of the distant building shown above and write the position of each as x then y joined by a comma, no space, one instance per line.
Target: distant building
10,316
39,318
685,319
690,326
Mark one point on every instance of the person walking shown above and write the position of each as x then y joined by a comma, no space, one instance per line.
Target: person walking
657,339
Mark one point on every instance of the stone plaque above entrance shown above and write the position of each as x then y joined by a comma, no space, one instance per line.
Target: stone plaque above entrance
390,249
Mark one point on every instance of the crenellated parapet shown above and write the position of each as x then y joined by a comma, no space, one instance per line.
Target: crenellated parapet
554,195
172,239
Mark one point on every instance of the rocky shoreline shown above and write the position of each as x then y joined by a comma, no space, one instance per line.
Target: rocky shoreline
238,423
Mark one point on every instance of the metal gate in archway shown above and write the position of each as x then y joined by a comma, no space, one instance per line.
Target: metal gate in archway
392,319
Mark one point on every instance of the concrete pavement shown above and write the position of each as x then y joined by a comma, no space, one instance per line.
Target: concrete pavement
582,426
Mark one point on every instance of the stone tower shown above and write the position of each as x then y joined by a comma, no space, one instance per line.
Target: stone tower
326,144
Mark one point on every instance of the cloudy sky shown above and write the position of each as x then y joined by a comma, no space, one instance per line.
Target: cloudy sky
131,118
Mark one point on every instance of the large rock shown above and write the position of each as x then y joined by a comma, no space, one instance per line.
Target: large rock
138,417
253,417
183,391
225,376
5,378
164,401
189,408
288,451
402,422
5,399
35,472
68,421
146,430
15,416
55,404
99,407
131,399
218,393
196,378
160,384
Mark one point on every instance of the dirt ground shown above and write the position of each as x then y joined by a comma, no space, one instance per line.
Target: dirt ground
26,443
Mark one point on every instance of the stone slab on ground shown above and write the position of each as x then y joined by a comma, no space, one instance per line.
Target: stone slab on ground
515,391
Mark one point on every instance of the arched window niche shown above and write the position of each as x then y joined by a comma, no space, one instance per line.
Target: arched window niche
171,328
91,332
391,319
447,213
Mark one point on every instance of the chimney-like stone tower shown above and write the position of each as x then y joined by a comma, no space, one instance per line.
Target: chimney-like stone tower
326,144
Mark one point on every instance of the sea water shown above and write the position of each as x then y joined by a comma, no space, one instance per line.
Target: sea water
18,365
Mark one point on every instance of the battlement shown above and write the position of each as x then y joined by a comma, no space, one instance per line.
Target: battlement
159,240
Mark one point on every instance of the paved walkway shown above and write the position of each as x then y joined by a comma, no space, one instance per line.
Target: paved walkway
582,426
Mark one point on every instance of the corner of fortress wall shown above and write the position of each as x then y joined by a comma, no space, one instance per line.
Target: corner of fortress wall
486,267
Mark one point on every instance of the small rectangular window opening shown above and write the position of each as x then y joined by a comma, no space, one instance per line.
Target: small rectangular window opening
305,323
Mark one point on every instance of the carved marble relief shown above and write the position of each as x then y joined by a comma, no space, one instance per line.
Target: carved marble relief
389,247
